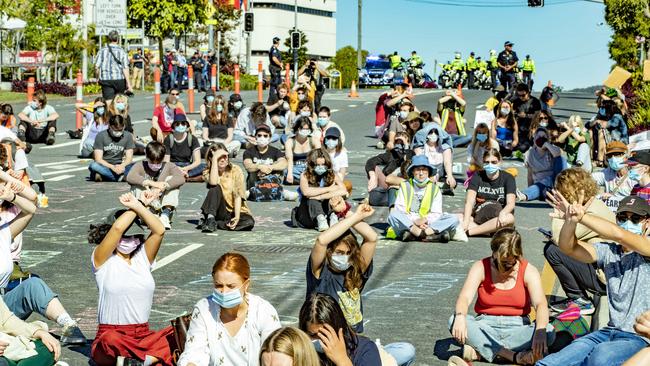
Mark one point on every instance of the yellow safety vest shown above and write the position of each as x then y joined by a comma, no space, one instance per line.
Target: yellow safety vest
459,121
528,65
395,60
429,194
471,63
493,62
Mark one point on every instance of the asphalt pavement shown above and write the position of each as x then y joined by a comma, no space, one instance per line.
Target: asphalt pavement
409,297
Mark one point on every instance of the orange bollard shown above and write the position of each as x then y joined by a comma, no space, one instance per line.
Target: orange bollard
156,89
190,88
213,78
80,98
287,72
236,78
260,82
30,89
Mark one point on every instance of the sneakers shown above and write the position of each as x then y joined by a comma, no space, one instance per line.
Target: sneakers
333,219
380,145
201,224
72,335
289,195
165,221
210,225
447,190
469,353
21,135
459,235
407,236
98,178
521,197
50,138
586,307
322,223
75,134
42,200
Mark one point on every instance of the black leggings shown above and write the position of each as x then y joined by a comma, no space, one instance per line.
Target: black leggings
215,205
309,209
576,278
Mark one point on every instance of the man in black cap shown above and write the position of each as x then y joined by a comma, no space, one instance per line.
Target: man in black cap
507,61
275,67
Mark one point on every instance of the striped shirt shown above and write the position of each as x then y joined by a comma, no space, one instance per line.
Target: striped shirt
109,69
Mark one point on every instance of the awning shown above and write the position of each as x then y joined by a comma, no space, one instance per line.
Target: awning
7,23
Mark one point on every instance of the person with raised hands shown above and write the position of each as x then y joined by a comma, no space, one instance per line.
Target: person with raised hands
122,267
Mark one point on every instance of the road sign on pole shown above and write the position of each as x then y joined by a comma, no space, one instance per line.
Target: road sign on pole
110,15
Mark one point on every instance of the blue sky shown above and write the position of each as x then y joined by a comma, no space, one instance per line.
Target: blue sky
567,40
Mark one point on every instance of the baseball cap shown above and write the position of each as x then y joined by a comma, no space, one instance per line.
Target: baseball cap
616,147
508,43
276,39
634,204
640,157
263,127
333,132
180,117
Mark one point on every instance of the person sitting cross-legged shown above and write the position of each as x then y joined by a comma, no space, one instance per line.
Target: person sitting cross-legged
113,152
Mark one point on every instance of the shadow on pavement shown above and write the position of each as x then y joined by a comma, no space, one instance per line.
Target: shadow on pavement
441,349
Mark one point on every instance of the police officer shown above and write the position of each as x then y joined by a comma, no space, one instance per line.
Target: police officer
395,60
493,66
472,66
507,61
275,67
528,68
415,59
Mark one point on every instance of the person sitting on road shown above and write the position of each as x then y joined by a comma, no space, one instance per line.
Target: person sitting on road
615,182
525,106
415,124
396,122
384,172
544,162
418,211
297,147
318,184
122,267
288,346
235,106
508,286
248,121
576,142
545,120
491,196
229,326
7,118
642,328
38,121
439,153
279,108
219,127
120,107
163,117
301,91
224,206
640,171
336,341
266,165
324,123
451,108
622,256
113,152
208,103
481,143
183,149
505,129
579,281
95,121
333,144
609,124
156,178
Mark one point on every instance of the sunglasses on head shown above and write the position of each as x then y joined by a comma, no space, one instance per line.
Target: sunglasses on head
625,216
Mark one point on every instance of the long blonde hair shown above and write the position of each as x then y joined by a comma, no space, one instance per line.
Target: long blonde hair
292,342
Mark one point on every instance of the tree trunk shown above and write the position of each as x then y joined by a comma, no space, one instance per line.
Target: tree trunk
56,63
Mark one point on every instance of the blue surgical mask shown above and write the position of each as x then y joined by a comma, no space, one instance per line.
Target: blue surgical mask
403,114
543,124
210,99
120,106
616,163
491,169
117,134
318,346
34,104
154,167
331,143
237,105
481,137
577,129
227,300
305,113
602,111
433,138
180,129
100,111
421,183
322,121
219,108
320,169
634,175
304,132
632,227
340,262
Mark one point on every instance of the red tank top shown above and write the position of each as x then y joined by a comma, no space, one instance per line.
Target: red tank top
493,301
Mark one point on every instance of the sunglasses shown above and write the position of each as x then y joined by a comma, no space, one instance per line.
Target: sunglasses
625,216
175,94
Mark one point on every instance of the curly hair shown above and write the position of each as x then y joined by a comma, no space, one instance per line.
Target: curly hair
534,124
571,181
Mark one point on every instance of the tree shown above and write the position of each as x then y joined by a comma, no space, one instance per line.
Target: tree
287,57
345,61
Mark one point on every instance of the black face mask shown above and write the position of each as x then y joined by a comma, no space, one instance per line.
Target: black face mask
541,141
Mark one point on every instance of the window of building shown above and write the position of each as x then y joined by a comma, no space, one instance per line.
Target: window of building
287,7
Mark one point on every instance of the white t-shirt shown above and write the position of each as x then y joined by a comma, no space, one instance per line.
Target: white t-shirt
209,343
339,160
6,264
6,133
20,160
125,291
6,217
618,187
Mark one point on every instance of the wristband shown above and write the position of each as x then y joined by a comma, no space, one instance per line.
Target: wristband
459,313
13,199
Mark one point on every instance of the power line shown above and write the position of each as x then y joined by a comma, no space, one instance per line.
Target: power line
490,4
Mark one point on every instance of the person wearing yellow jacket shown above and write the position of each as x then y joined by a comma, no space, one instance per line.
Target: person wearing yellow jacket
493,66
395,60
472,66
528,69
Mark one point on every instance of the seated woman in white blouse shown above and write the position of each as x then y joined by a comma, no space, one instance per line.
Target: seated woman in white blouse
229,326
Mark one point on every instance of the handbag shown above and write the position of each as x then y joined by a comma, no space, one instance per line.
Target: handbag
180,325
127,92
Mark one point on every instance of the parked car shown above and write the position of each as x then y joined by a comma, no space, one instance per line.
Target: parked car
376,72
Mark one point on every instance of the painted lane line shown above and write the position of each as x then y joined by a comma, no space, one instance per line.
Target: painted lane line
141,121
174,256
59,145
334,110
60,178
352,105
67,171
64,162
367,103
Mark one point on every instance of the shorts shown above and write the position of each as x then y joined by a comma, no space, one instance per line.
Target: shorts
486,212
112,87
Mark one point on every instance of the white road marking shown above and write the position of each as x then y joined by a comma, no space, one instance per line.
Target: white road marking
59,145
63,162
174,256
141,121
352,105
367,103
67,171
60,178
334,110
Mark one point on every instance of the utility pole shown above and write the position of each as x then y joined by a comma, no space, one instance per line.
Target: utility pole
248,42
359,61
84,35
295,51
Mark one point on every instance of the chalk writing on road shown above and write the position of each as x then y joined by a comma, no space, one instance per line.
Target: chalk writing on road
419,286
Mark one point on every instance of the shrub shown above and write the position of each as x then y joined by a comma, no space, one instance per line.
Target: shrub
20,86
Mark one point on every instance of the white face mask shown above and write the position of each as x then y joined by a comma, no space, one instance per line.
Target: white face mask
305,113
262,141
340,262
403,114
433,138
304,133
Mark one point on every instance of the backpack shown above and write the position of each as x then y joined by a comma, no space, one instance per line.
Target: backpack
189,140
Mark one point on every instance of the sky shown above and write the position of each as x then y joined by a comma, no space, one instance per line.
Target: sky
566,38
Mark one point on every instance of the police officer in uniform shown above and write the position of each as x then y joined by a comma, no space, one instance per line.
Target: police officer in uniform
275,67
493,66
472,66
528,69
507,61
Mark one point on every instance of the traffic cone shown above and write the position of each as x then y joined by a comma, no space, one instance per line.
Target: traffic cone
551,102
353,90
460,91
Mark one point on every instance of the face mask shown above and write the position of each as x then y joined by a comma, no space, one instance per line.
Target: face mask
634,175
481,137
219,108
262,141
237,105
543,124
180,129
210,99
322,121
340,262
421,183
128,245
632,227
433,138
505,111
100,111
117,134
491,169
318,346
304,133
320,169
577,129
616,163
305,113
602,111
403,114
34,105
154,167
331,143
399,148
120,106
540,141
301,97
227,300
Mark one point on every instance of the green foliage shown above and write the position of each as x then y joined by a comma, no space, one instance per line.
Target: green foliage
623,50
246,82
345,61
92,88
641,118
287,57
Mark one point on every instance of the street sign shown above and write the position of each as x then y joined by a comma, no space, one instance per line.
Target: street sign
210,10
30,57
134,33
110,15
335,73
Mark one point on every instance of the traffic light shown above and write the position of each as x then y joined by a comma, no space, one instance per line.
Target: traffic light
535,3
248,22
295,40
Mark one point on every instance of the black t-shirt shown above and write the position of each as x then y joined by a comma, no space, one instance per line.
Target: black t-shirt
529,107
492,190
217,130
366,353
280,111
507,59
274,52
269,157
181,152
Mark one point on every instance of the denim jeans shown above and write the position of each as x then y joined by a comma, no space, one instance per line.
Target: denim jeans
107,174
538,189
194,172
298,169
402,352
401,222
32,295
604,347
461,141
489,334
